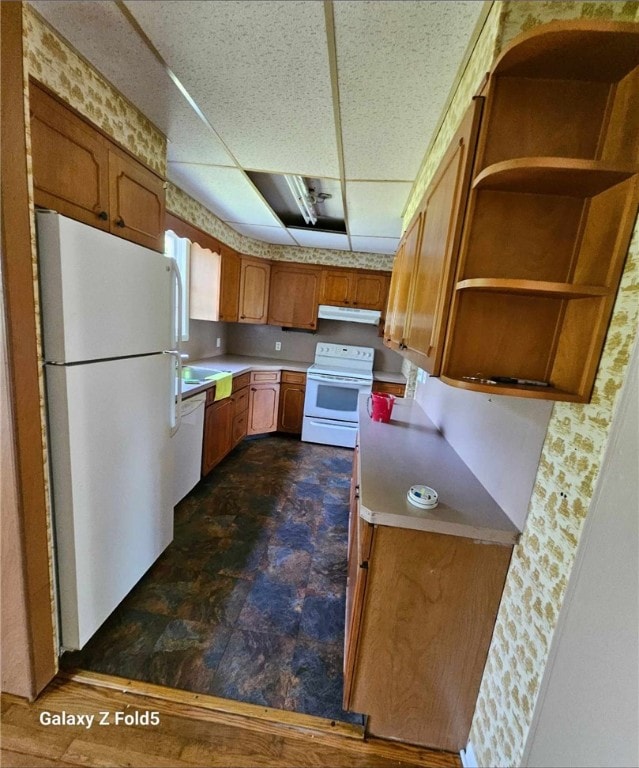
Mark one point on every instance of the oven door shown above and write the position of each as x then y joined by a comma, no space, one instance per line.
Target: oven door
334,397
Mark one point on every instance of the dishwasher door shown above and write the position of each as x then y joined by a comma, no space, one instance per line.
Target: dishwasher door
187,447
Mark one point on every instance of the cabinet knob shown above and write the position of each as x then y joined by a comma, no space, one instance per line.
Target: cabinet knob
119,222
242,317
354,303
102,215
346,301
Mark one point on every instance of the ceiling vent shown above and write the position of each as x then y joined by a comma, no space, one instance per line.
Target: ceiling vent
302,202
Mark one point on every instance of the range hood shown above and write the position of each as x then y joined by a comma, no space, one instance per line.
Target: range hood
349,314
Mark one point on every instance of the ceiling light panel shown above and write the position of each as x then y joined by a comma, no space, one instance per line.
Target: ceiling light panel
225,191
101,33
375,208
386,245
396,63
259,71
313,239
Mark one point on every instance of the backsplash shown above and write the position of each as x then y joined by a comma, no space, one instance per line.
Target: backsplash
259,341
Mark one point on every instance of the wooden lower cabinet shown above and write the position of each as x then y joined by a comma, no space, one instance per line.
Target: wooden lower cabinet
263,402
224,422
218,433
291,410
421,608
389,388
240,397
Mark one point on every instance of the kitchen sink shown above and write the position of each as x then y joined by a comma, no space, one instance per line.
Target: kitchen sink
196,375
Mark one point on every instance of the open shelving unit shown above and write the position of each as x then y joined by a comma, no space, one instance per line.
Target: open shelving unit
550,214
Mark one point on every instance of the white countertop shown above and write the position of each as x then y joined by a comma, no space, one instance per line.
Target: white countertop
410,450
238,364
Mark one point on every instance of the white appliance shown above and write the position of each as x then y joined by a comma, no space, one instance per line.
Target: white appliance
349,314
187,447
107,319
334,382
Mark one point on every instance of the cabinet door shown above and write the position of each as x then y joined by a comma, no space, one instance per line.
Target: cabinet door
70,162
403,269
263,406
136,202
294,295
254,286
218,421
230,286
442,213
336,288
369,290
291,407
204,289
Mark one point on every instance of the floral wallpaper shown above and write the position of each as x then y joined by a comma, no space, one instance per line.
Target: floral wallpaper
184,206
571,457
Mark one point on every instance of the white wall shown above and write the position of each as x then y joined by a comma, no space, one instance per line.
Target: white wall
499,438
587,712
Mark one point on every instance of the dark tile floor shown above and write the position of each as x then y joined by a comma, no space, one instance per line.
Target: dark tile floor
248,601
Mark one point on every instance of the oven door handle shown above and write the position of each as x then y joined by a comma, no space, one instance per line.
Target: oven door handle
328,425
336,379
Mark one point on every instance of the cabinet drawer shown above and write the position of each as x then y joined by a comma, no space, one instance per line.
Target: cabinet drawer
389,388
241,381
210,395
241,400
265,377
293,377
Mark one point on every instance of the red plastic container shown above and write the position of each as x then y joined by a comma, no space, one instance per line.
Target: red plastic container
380,406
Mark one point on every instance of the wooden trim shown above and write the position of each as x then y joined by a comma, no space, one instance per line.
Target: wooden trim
183,228
22,351
215,704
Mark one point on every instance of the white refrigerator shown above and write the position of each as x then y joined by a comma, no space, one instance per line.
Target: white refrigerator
110,353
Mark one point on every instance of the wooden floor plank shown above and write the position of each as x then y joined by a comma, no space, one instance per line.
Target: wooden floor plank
187,735
9,759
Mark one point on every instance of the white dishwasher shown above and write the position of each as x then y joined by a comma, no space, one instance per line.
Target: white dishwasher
187,447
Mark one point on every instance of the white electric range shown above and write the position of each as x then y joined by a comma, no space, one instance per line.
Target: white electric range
334,382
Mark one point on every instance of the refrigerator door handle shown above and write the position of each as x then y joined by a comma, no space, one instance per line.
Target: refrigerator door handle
175,399
175,270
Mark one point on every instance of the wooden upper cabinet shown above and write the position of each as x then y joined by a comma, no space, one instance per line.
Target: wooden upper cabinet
254,290
81,174
136,202
442,214
550,213
230,285
370,290
294,295
401,285
362,289
204,290
70,162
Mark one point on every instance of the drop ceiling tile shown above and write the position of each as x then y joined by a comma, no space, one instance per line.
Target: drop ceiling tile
374,244
277,235
260,73
225,191
311,238
101,33
396,62
375,207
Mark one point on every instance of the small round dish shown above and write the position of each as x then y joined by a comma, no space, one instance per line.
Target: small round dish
423,496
